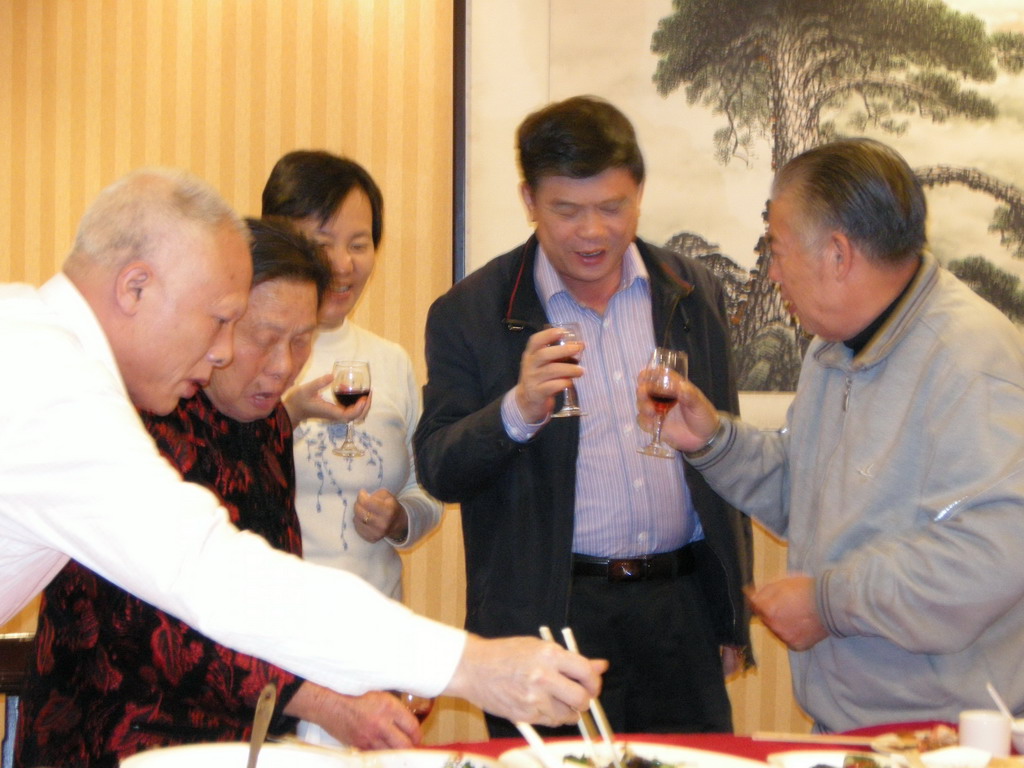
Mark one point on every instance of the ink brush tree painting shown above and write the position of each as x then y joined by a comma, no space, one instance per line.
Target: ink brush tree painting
782,76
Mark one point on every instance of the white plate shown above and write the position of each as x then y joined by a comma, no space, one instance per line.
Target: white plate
423,758
523,757
956,757
235,754
808,758
946,757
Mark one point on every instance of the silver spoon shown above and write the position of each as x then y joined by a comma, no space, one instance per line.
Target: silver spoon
261,722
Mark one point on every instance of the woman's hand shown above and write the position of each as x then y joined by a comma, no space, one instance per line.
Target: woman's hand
380,514
304,401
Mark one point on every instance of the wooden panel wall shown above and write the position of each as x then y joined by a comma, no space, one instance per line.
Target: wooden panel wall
223,88
94,88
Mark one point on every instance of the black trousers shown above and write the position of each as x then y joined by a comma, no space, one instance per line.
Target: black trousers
665,673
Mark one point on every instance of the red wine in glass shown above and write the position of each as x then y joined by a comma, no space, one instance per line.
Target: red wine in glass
420,706
351,384
349,397
658,376
570,402
662,402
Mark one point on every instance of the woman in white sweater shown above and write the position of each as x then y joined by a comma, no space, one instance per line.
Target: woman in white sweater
355,513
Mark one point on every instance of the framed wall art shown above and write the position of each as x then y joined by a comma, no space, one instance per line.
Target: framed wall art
723,91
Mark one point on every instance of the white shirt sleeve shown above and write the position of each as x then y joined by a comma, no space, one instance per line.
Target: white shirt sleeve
80,478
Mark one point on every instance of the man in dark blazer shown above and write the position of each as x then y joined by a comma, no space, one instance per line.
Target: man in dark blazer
565,523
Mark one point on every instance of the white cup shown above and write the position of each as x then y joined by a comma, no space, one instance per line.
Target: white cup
987,729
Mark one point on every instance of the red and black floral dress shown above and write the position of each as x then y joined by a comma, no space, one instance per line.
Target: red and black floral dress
113,674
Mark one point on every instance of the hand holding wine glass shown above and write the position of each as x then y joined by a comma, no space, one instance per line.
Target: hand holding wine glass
420,706
351,384
688,425
571,334
657,378
543,375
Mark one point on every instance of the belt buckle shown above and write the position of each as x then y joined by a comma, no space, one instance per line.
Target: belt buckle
633,569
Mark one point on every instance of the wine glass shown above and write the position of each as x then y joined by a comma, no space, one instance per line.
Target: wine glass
570,403
420,706
658,380
351,384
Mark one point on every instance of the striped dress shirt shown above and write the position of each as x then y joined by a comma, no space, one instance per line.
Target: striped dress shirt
627,504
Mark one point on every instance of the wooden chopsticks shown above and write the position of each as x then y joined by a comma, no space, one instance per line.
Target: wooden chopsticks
585,727
540,749
814,738
585,723
603,726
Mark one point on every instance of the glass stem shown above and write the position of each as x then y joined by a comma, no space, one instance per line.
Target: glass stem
657,430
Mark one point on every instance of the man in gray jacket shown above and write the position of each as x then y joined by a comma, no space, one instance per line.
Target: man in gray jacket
899,478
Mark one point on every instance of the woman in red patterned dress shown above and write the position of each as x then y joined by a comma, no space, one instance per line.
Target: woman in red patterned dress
113,674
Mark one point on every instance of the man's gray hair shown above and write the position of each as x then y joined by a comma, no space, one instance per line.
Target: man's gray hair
138,211
864,189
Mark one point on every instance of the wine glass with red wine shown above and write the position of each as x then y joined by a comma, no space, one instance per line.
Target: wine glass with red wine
351,384
420,706
570,402
657,377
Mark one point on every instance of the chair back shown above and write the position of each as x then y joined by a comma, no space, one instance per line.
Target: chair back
15,665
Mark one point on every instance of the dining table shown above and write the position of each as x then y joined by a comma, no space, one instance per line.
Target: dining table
726,743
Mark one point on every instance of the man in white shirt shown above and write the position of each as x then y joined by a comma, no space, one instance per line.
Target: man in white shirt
142,313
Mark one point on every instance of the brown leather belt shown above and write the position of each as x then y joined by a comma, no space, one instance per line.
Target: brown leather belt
664,565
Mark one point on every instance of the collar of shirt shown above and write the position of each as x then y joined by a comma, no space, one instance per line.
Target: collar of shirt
66,301
862,339
549,283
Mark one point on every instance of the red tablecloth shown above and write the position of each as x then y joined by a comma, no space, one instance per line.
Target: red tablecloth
742,746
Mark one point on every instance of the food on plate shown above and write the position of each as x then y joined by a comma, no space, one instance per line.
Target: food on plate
936,737
629,760
857,760
853,760
924,740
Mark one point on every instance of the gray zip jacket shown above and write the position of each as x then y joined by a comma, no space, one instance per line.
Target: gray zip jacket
899,484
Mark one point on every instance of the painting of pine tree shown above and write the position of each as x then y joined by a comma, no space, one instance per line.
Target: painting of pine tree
796,73
723,92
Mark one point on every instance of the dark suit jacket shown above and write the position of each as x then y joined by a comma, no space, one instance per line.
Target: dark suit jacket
518,499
